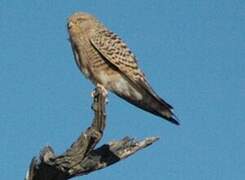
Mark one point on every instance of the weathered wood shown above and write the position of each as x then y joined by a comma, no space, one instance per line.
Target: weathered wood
81,158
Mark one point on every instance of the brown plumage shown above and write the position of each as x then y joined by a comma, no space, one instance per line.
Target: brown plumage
106,60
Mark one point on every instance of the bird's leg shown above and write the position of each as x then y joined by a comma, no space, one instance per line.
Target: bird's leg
104,91
93,93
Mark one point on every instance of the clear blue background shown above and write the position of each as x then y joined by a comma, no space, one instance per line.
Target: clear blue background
193,53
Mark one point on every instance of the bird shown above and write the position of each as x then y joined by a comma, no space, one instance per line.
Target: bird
105,59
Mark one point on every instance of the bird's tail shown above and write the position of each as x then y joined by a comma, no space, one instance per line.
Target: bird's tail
165,111
155,105
159,107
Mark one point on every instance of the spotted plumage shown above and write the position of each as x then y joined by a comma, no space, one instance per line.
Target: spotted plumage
106,60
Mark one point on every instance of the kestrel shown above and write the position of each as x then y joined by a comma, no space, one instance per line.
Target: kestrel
107,61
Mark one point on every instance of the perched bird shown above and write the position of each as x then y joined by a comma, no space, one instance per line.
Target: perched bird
107,61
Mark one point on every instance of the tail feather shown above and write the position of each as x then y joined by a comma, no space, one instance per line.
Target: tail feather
153,104
173,118
156,105
162,109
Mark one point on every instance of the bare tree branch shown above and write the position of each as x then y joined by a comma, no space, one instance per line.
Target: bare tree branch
81,158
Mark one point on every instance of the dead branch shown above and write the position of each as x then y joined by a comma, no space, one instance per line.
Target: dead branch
82,157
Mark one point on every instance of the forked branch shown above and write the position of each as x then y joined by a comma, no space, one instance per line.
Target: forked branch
82,157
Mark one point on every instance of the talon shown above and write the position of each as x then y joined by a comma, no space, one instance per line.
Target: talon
104,91
93,93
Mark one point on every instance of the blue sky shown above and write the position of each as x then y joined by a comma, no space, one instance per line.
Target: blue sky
193,54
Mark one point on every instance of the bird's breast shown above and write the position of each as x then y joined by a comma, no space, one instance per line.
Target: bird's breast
81,63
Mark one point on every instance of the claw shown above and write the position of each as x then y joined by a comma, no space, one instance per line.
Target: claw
104,91
93,93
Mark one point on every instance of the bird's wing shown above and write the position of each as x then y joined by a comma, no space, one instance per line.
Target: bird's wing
117,54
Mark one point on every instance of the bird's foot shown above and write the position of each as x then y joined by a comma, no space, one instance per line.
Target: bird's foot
104,91
93,93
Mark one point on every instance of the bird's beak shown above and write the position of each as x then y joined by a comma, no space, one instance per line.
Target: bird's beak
69,25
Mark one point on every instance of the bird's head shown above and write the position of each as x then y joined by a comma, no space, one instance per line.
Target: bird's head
80,22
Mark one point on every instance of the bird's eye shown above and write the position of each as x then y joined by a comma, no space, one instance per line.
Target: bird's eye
80,19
